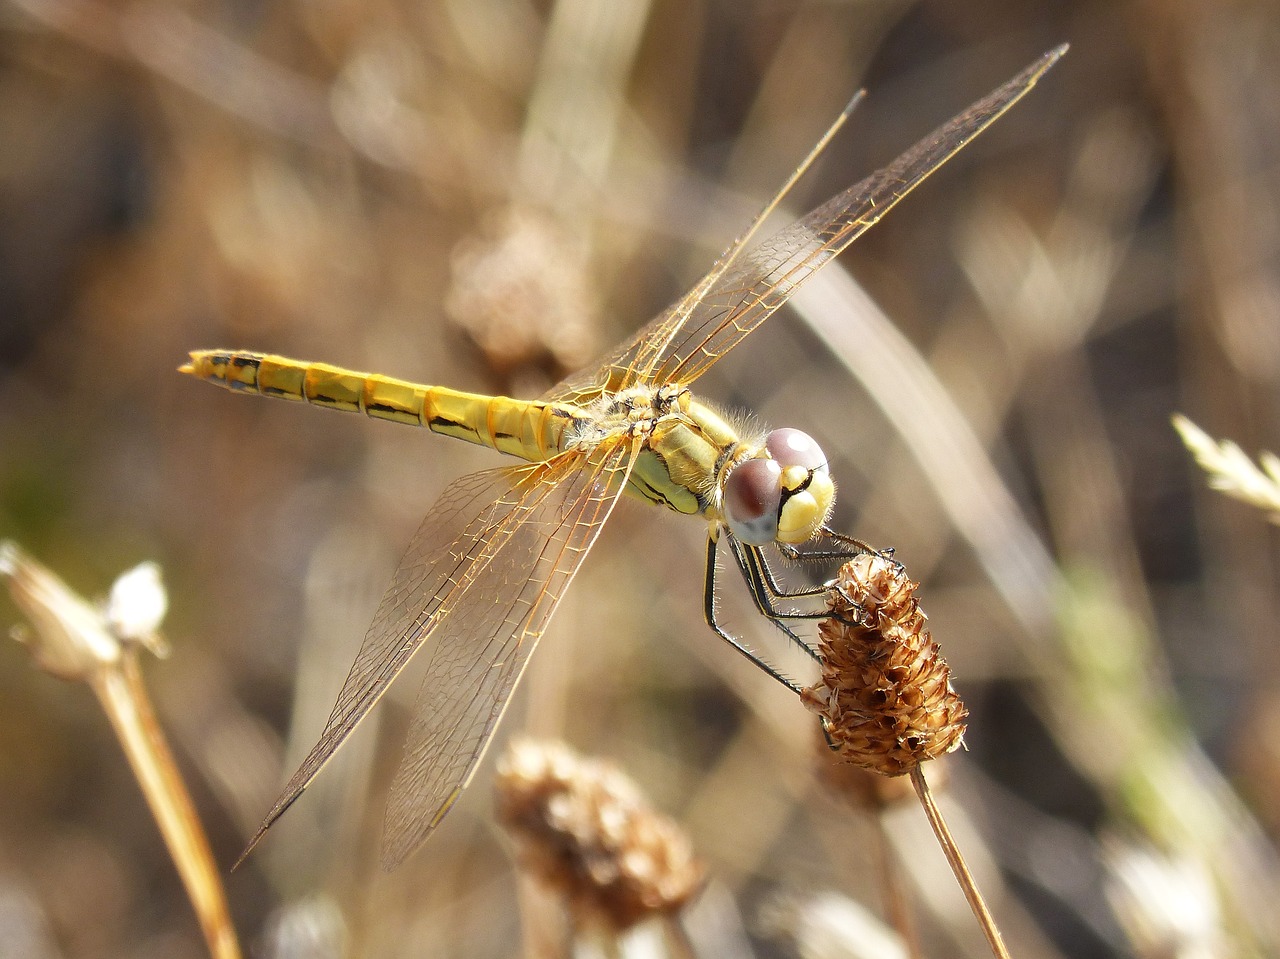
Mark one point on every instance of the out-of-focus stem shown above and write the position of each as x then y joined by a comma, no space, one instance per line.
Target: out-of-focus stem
125,701
895,901
80,642
679,945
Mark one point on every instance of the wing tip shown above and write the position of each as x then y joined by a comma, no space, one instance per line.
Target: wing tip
257,837
401,839
1045,63
278,810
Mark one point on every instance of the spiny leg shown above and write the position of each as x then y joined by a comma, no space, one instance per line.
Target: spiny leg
749,562
763,582
764,586
709,612
846,548
765,589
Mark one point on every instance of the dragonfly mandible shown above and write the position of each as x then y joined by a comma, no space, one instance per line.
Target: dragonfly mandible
494,555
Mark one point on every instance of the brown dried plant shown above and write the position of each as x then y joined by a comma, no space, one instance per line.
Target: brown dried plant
78,641
885,696
583,829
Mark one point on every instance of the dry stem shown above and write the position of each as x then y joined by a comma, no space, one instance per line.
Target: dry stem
76,641
963,876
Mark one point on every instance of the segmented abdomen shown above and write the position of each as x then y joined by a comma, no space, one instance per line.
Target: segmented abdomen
532,430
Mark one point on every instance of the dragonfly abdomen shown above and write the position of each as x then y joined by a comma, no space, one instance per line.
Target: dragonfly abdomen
532,430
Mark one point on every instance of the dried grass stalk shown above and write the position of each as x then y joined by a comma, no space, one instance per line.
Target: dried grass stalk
80,642
885,694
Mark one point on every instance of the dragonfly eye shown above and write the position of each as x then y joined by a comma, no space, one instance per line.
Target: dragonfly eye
807,491
784,499
752,499
791,447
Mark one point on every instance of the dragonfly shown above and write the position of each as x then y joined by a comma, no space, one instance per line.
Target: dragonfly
492,559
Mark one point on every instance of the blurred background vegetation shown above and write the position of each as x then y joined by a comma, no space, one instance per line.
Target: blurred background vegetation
486,193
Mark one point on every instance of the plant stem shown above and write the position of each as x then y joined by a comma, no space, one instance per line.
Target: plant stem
895,901
124,698
963,876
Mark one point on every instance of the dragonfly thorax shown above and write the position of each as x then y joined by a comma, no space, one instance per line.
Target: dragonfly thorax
694,460
631,412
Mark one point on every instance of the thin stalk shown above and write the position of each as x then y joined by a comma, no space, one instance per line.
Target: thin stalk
541,938
98,646
963,876
895,900
679,945
124,699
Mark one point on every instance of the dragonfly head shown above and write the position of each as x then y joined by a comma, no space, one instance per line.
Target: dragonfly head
783,494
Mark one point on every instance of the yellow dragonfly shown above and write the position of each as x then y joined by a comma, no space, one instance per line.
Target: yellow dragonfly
493,557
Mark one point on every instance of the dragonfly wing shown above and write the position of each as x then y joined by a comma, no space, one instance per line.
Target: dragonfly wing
473,523
680,344
480,654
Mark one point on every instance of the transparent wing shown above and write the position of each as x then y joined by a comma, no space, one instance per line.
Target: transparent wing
680,344
477,661
477,550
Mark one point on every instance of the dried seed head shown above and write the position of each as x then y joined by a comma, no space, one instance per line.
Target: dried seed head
857,786
583,828
520,290
885,694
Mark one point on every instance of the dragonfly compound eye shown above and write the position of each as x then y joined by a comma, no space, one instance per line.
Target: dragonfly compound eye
791,447
807,491
752,498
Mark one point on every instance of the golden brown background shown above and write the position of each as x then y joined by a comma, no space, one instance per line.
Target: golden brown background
484,194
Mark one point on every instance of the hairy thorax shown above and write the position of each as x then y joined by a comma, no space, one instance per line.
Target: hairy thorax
687,445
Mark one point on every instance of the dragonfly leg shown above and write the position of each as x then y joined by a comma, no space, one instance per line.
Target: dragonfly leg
709,612
764,586
843,548
765,589
750,562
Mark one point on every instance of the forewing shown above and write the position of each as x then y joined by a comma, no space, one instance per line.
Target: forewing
480,654
475,520
681,343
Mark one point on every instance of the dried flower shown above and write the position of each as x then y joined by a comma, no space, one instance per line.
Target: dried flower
583,828
137,605
98,645
521,292
885,694
857,786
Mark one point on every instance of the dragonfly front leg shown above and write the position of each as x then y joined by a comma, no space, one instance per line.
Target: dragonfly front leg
766,591
844,548
763,589
709,612
763,582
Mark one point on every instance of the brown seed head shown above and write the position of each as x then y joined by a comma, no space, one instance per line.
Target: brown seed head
885,694
857,786
583,828
520,290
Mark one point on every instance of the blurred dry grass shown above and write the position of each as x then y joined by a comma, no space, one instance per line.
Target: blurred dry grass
342,181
